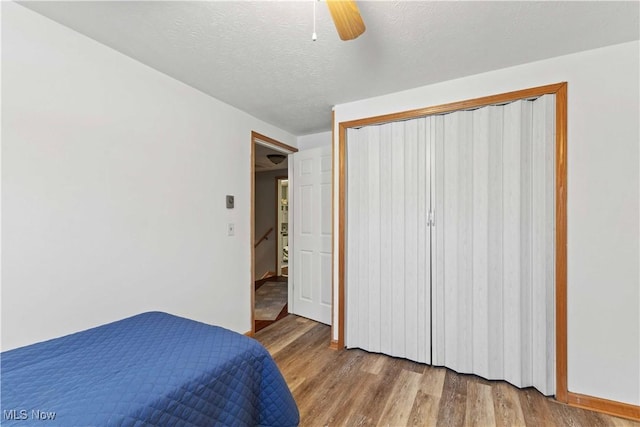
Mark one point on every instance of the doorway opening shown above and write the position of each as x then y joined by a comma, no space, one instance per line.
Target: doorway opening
270,230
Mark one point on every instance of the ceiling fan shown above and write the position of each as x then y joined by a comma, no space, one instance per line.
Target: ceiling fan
346,18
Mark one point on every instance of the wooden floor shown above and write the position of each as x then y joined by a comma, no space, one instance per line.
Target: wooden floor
353,387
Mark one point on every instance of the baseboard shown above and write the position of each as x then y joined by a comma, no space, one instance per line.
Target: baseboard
610,407
249,334
333,345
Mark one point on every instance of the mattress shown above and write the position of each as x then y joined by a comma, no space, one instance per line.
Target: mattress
153,369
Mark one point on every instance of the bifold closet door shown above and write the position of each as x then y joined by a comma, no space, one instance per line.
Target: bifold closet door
494,243
388,239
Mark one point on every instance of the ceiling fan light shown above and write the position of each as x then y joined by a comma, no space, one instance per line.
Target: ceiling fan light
276,159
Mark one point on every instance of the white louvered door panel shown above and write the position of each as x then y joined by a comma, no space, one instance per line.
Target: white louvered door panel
388,239
494,243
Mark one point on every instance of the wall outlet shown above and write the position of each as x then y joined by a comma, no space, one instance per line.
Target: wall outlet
231,229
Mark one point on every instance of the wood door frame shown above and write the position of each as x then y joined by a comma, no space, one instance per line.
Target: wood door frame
257,138
560,90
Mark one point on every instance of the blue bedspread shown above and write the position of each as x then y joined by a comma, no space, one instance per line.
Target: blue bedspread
153,369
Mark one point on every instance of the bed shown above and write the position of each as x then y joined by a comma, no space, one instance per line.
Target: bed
152,369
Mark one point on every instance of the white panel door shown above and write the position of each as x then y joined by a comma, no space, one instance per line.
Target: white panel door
311,245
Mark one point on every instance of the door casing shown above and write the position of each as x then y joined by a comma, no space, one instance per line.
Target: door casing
560,90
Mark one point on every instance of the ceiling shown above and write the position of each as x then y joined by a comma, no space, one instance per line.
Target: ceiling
259,57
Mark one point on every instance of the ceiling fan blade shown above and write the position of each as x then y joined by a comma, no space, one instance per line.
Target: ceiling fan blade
346,18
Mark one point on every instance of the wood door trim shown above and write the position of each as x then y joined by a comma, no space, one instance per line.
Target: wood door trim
342,199
558,89
252,233
260,137
561,244
456,106
334,344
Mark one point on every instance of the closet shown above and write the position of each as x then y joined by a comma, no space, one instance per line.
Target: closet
450,234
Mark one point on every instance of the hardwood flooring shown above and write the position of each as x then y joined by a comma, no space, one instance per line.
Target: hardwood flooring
354,388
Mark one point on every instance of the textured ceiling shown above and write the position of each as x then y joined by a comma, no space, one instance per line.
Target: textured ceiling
259,57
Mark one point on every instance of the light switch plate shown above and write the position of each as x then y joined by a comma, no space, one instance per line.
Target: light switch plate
230,202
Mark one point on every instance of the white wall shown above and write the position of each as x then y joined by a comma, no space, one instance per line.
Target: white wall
265,217
603,201
113,185
314,140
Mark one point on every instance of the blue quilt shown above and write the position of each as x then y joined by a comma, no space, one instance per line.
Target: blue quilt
153,369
